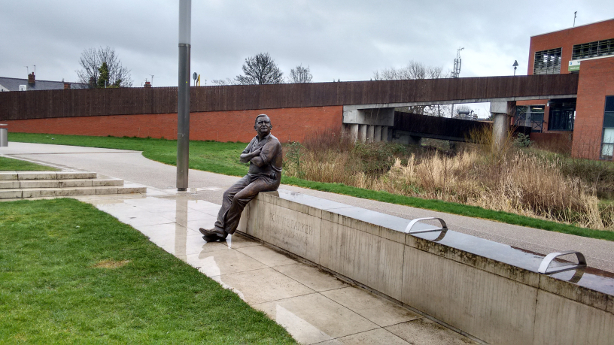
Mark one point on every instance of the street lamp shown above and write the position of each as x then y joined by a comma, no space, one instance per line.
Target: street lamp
183,97
515,66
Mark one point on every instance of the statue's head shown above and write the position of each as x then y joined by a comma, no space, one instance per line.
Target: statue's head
263,125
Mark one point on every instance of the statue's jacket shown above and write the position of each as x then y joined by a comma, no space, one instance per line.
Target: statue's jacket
271,155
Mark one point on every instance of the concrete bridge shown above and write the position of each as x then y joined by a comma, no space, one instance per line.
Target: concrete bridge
411,128
365,108
373,122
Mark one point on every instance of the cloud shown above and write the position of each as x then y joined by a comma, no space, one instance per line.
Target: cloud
346,40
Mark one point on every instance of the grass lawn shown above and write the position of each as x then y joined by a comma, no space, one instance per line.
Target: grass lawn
10,164
72,274
211,156
223,158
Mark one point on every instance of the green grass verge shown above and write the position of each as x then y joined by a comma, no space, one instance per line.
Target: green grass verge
449,207
10,164
211,156
70,273
223,158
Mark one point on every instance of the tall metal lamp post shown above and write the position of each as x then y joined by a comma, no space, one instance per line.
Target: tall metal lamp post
183,99
515,66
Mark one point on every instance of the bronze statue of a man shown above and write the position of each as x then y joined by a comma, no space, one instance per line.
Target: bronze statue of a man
264,155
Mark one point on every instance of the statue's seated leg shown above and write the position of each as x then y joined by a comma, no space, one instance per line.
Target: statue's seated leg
213,235
240,200
217,233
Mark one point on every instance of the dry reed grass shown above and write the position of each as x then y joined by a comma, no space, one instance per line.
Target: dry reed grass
508,180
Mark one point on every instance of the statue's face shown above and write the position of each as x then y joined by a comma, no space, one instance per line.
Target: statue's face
263,126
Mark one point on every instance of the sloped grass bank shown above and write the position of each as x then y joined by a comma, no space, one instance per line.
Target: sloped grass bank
449,207
72,274
223,158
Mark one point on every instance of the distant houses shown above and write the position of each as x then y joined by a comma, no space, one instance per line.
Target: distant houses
30,84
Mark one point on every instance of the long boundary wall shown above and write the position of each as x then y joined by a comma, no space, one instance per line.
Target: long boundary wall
291,124
486,296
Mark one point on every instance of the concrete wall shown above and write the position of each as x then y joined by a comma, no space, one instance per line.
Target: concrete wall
486,297
368,116
290,124
368,124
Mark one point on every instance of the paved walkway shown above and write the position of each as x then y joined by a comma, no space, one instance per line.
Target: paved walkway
314,306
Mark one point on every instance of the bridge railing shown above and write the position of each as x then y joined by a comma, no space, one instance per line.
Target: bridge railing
162,100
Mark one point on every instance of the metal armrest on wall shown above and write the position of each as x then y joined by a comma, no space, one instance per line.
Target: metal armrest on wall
411,224
543,267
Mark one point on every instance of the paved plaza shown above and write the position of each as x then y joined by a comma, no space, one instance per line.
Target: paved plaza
313,305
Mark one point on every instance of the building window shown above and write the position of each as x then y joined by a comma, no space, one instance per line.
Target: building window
530,116
562,114
593,49
547,62
607,144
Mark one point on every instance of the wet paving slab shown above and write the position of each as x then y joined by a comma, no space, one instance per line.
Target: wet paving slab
314,306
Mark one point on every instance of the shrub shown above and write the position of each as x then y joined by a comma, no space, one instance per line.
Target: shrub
522,140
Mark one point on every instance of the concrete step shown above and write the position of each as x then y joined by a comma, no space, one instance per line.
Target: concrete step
45,175
41,184
24,184
69,191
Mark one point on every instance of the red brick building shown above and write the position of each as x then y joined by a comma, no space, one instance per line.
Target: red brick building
589,118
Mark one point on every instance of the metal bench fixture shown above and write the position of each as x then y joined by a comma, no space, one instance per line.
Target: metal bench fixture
543,267
411,224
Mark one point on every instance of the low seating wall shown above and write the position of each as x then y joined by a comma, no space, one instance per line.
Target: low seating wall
486,289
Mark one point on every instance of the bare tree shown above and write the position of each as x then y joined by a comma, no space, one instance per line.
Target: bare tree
221,82
260,69
416,71
300,74
91,62
413,70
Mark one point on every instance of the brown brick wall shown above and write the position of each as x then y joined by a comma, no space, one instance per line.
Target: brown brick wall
289,124
559,142
596,82
566,39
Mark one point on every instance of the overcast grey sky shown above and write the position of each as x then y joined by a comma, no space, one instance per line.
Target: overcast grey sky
346,40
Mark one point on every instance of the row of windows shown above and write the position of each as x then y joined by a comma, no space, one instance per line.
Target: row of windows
547,62
561,117
593,49
530,116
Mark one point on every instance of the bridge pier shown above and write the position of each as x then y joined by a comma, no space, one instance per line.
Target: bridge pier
368,123
370,133
363,132
353,131
377,134
502,112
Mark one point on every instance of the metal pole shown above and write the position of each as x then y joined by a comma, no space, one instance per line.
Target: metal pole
183,99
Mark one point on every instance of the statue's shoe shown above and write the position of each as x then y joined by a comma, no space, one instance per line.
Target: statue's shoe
212,235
